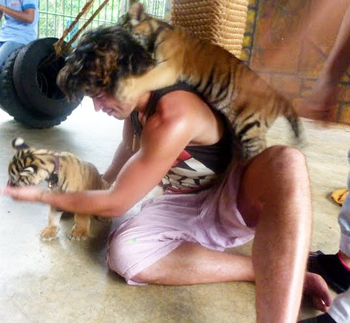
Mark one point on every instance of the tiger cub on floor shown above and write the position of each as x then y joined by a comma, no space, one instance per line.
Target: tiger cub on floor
64,172
224,81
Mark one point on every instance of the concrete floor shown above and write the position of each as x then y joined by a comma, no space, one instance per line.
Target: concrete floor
68,281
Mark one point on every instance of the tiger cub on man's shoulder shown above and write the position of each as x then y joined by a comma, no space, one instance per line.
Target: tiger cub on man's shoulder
224,81
64,172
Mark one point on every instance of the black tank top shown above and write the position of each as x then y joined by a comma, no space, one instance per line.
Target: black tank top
196,167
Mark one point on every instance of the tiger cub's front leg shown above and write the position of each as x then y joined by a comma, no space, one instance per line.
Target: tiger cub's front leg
50,232
81,228
132,87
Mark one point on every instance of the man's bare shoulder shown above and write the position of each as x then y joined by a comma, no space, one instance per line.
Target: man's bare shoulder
185,112
174,117
180,106
181,99
174,107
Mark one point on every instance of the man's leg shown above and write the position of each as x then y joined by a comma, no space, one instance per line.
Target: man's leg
275,196
276,187
193,264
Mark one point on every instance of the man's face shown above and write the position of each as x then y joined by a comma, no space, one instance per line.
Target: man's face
109,104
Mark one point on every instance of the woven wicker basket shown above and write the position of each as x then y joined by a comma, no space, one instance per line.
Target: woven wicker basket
220,21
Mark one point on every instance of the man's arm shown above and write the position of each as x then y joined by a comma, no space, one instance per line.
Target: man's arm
161,143
325,91
26,15
339,58
122,154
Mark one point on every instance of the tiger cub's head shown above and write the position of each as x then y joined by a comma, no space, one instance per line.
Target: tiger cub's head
142,26
28,165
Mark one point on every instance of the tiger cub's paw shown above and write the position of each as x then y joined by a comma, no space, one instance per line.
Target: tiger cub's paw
49,233
78,233
127,92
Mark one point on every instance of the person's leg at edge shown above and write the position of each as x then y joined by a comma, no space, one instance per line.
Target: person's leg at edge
6,49
335,268
339,311
274,195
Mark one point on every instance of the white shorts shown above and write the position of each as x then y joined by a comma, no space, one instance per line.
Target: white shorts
209,218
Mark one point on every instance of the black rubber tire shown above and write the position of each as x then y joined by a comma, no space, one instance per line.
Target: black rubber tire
36,85
10,102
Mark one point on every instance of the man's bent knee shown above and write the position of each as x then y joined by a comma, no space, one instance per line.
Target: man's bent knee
131,258
278,172
120,254
276,164
284,157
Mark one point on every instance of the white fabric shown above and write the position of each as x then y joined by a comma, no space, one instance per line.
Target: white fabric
344,221
340,308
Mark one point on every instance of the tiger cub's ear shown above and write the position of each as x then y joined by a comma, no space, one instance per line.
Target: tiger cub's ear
136,12
19,144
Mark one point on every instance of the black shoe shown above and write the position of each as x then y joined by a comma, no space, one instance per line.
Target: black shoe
331,269
324,318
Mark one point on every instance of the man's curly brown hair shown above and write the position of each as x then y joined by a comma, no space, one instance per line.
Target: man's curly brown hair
101,57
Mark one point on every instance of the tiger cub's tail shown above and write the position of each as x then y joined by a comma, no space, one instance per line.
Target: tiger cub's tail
289,112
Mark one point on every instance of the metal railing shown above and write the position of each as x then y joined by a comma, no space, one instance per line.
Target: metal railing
56,15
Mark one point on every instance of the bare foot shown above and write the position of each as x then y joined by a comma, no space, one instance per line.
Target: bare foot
316,287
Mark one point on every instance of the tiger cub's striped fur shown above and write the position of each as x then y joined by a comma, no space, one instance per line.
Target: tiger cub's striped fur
65,172
224,81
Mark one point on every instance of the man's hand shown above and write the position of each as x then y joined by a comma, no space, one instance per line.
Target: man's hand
27,193
320,105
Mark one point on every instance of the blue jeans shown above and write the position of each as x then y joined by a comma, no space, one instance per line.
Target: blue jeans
6,48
